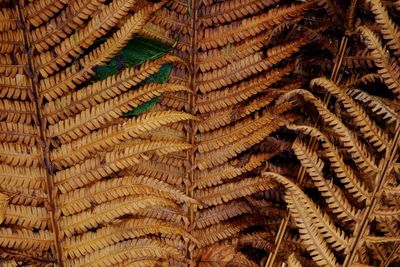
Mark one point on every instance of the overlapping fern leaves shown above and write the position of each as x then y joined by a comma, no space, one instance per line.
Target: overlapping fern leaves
105,163
353,167
68,138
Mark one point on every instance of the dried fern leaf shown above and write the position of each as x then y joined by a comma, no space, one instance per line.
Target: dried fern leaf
215,233
225,136
108,137
103,90
388,68
217,175
344,172
376,105
96,116
218,119
26,216
347,138
8,19
22,239
96,168
227,152
66,80
21,177
19,155
229,191
3,206
334,197
70,18
237,93
248,27
14,87
79,246
323,223
368,128
389,29
108,190
311,237
109,211
74,45
19,133
232,10
130,249
221,213
253,64
38,12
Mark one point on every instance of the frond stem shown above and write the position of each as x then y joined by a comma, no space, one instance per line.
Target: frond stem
44,143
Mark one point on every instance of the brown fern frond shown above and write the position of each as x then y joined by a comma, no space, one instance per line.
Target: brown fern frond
368,128
108,137
229,191
389,29
110,235
129,249
348,139
333,235
344,172
103,90
388,68
312,239
23,239
106,191
65,80
74,15
293,261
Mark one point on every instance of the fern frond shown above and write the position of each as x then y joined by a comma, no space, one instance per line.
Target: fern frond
221,36
108,137
376,105
228,191
110,235
215,233
347,138
23,239
232,10
8,19
73,46
131,249
293,262
96,116
238,93
20,177
221,213
223,154
41,11
311,237
253,64
103,90
19,133
26,216
368,128
14,87
19,155
66,80
217,175
389,29
96,168
388,68
109,211
344,172
228,135
74,15
106,191
230,115
327,229
335,199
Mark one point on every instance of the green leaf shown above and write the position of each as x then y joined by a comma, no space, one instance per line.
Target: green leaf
142,108
136,52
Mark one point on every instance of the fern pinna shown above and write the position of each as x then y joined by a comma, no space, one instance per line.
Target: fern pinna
169,133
